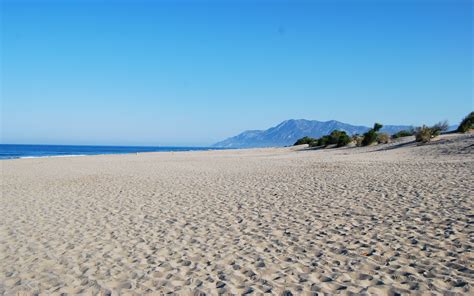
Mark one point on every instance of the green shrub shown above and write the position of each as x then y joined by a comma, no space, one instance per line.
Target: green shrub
424,134
441,126
377,127
383,138
338,138
335,135
324,141
371,136
357,139
304,140
467,123
343,140
402,134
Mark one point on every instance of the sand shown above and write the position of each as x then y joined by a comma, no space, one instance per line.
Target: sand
387,219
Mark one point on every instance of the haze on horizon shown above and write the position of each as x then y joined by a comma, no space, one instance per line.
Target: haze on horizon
194,73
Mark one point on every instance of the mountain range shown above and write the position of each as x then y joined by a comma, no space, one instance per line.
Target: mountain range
287,132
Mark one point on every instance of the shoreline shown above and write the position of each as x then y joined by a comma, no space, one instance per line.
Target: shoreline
118,153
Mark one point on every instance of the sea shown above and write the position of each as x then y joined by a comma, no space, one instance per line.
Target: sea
12,151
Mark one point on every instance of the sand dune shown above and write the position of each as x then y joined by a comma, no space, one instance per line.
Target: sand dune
381,220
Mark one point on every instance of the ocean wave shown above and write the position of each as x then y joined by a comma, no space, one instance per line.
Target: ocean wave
53,156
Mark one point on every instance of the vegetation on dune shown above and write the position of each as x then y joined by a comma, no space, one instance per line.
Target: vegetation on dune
441,126
377,126
323,141
336,137
357,139
342,139
424,134
304,140
467,123
383,138
403,133
370,137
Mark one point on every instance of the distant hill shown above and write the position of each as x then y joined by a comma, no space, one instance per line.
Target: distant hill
287,132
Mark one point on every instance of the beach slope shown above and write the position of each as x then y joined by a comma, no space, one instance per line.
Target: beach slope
387,219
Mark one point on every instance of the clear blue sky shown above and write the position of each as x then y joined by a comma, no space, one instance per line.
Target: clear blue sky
192,73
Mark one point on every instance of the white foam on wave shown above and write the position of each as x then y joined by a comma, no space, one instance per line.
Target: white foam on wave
52,156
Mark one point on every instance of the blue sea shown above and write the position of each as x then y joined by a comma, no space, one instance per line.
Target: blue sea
11,151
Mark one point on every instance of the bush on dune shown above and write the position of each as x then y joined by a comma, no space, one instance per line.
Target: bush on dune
343,140
323,141
304,140
357,139
313,143
377,126
424,134
370,137
383,138
466,124
440,127
338,138
403,133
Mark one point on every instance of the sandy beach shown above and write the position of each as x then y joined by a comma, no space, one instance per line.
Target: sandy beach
381,220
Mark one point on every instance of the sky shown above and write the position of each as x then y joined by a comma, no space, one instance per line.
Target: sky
191,73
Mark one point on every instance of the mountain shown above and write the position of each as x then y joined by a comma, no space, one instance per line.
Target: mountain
287,132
